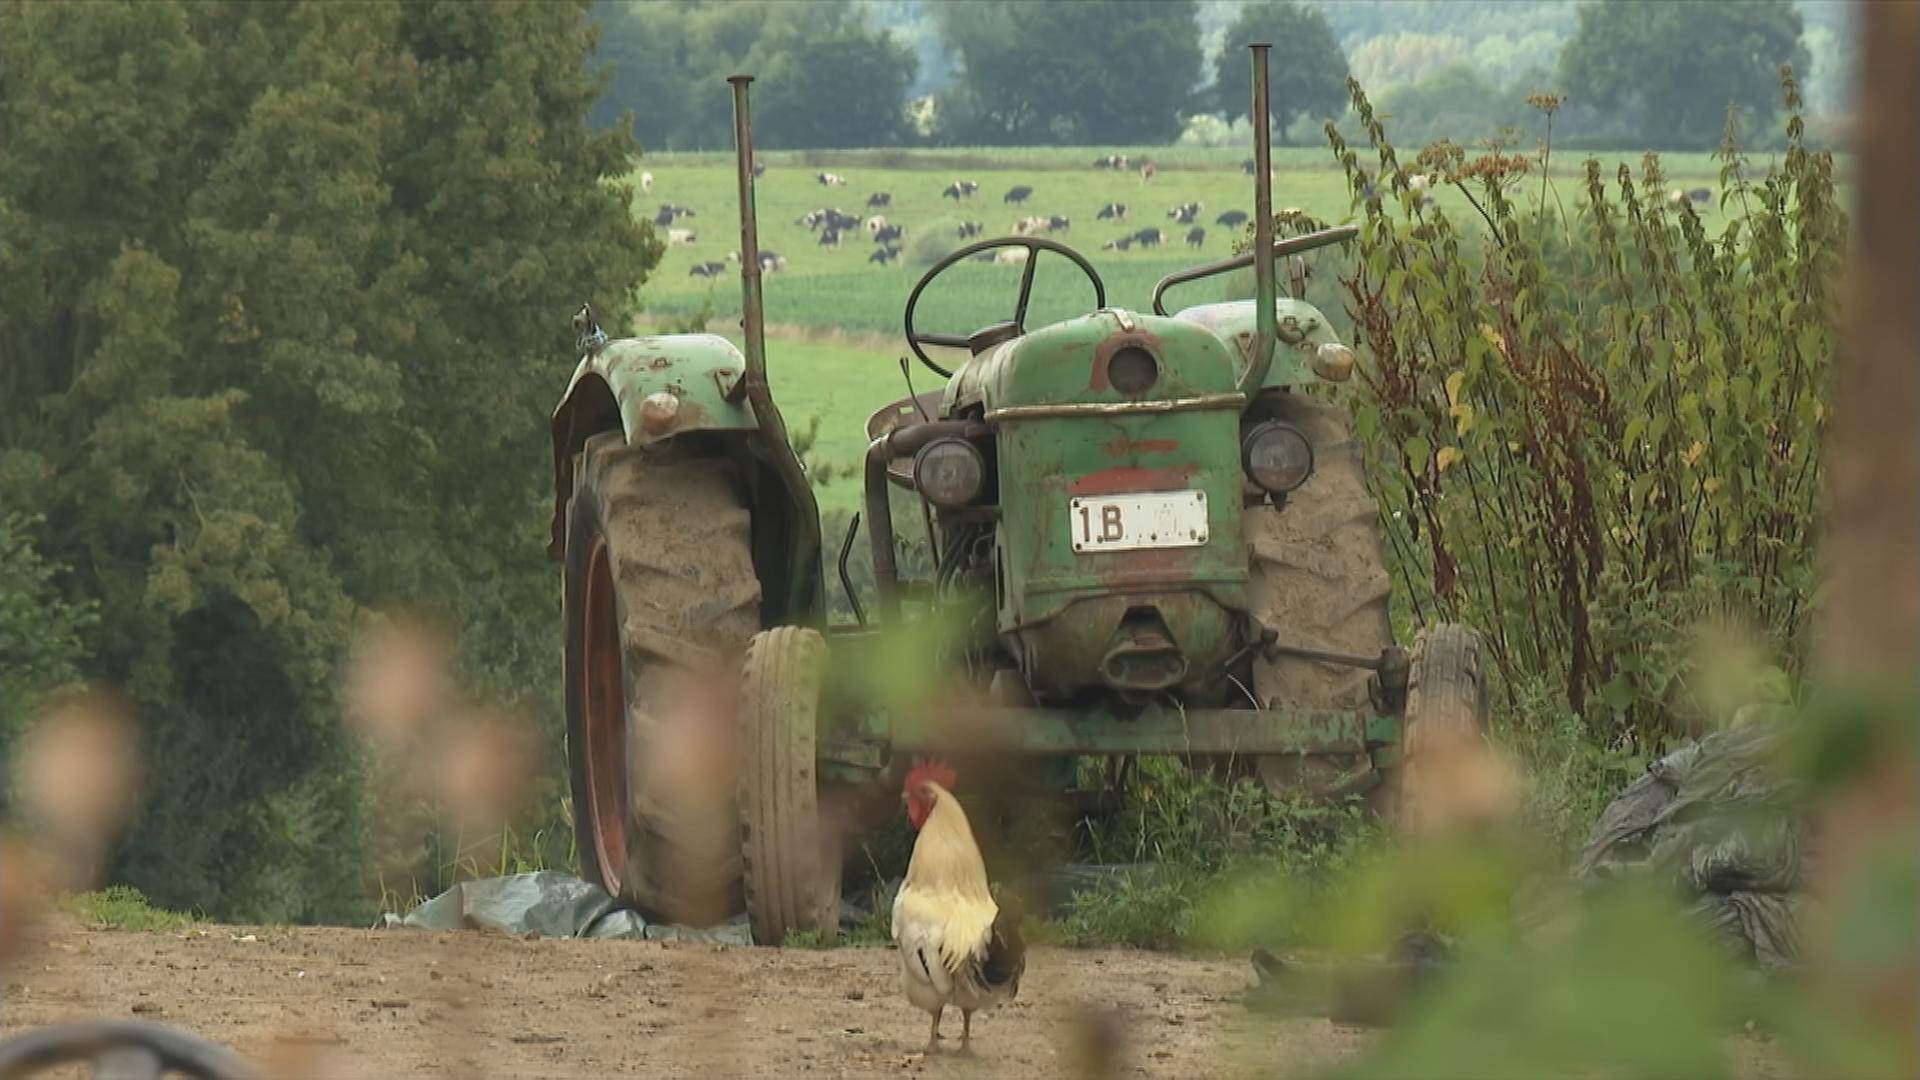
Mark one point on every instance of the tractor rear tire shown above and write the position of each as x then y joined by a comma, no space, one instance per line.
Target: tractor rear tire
660,595
1318,577
1448,775
791,858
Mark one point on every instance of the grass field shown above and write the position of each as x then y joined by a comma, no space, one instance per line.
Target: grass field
834,353
838,289
840,384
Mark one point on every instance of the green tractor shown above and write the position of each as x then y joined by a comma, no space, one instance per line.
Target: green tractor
1153,538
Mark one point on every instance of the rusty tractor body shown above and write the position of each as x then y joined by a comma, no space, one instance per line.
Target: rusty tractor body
1149,538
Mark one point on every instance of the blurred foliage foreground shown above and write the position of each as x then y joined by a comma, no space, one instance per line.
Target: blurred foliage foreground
1610,436
1606,429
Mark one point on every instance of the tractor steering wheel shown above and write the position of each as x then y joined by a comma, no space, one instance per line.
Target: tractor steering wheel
122,1049
1034,245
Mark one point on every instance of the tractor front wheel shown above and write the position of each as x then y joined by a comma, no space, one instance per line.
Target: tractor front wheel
1449,775
661,597
790,849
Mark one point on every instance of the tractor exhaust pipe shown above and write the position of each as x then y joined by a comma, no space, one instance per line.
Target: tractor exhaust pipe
753,321
1267,330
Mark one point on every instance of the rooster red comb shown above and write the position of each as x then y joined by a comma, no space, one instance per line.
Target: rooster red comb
937,771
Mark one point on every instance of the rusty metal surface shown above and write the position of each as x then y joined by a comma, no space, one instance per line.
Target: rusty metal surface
1233,401
807,595
905,413
753,313
1264,289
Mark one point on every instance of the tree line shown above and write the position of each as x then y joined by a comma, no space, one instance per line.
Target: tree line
286,303
1113,72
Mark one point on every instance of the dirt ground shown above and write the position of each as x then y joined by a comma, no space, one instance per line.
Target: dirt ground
361,1004
406,1003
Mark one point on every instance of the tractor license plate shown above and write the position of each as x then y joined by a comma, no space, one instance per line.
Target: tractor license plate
1124,522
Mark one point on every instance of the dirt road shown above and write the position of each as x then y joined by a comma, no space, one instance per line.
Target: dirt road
406,1003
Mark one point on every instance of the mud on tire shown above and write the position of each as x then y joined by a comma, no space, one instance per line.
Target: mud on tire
1318,577
660,592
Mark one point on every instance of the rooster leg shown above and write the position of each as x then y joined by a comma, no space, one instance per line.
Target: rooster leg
966,1031
933,1034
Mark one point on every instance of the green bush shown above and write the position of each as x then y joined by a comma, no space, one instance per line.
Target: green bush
933,242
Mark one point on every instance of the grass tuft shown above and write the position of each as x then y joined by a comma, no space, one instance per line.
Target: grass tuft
122,907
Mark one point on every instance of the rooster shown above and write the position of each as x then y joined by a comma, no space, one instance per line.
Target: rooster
957,946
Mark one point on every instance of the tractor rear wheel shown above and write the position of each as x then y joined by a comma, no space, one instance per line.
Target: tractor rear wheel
1448,775
660,595
791,852
1318,577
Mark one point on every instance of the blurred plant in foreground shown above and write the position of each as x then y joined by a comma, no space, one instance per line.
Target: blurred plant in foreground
1618,980
448,776
75,779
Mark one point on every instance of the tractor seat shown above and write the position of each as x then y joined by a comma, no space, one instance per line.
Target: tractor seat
898,416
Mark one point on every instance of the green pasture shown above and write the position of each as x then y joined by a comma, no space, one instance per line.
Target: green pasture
837,319
837,288
840,385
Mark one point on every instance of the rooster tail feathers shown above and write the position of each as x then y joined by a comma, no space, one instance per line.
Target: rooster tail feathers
1006,955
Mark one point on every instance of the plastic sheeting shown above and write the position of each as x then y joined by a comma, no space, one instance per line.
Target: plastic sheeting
552,904
1719,820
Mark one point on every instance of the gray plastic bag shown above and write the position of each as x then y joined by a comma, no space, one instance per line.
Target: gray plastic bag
1718,820
551,904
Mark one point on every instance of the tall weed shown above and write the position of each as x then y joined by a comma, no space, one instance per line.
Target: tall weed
1599,425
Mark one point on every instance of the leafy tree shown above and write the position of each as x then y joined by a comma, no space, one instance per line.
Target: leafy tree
1674,68
40,630
824,77
1507,60
1082,73
277,276
1308,72
1455,103
1407,57
845,86
1355,21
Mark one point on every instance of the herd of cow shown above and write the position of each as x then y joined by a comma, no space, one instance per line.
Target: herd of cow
831,225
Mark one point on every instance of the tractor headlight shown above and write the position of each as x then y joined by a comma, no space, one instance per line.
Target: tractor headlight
1132,371
1277,457
950,472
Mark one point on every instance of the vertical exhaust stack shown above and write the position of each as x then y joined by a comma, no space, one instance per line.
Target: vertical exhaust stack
753,313
807,597
1267,332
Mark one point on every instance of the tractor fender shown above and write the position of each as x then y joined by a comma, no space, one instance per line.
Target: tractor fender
660,388
653,388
